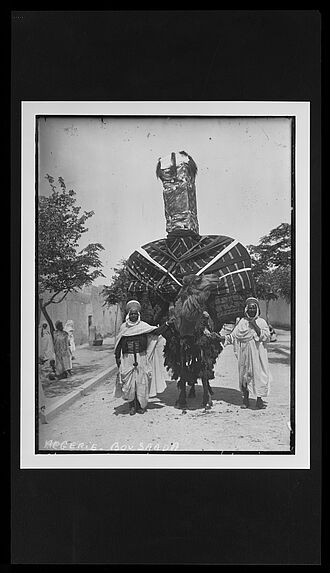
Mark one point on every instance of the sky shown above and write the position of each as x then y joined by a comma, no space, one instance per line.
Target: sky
243,184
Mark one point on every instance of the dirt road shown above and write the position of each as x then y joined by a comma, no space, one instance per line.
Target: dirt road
98,421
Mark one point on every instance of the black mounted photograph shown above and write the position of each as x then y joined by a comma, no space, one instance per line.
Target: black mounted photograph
165,392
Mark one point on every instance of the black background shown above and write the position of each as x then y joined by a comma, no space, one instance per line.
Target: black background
166,516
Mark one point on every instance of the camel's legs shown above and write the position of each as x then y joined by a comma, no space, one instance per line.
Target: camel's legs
207,401
182,400
192,391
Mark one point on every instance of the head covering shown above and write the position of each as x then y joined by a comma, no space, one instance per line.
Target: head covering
251,299
133,305
255,301
69,326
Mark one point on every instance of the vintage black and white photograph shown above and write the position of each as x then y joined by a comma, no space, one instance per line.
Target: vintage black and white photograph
165,388
165,279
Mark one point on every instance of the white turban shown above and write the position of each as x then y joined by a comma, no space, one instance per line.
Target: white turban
133,305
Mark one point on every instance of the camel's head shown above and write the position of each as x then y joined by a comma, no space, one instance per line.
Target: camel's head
191,301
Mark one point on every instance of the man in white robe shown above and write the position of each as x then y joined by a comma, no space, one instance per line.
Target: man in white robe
46,347
62,351
249,337
69,328
138,352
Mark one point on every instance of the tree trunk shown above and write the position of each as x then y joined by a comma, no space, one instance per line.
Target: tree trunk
116,318
122,308
39,311
267,310
46,315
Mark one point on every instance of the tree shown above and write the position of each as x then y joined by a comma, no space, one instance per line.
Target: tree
274,249
271,265
62,267
282,282
117,291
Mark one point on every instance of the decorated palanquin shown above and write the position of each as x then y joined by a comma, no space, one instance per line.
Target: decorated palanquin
157,269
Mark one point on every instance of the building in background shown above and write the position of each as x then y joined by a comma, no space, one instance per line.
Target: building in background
90,316
279,312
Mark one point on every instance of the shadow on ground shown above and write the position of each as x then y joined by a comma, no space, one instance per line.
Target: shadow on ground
279,360
280,357
170,396
101,348
54,388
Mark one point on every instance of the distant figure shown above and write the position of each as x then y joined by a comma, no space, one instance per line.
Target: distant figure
62,351
46,347
273,337
69,328
41,402
248,337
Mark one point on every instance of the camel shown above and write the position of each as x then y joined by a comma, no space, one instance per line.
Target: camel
191,349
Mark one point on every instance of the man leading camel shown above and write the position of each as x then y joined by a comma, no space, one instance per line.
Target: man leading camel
249,337
137,359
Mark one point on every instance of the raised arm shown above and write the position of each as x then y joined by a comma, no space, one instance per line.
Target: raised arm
254,325
230,338
262,329
264,335
163,328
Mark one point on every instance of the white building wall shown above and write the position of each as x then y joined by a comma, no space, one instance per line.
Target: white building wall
279,312
78,306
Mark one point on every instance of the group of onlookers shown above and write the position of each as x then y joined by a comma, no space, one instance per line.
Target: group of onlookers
57,350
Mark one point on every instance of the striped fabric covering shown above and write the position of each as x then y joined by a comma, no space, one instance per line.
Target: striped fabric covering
161,265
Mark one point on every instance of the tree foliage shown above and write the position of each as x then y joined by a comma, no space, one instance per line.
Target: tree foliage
271,264
281,278
117,291
62,267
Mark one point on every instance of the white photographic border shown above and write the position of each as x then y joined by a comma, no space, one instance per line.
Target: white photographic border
298,460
